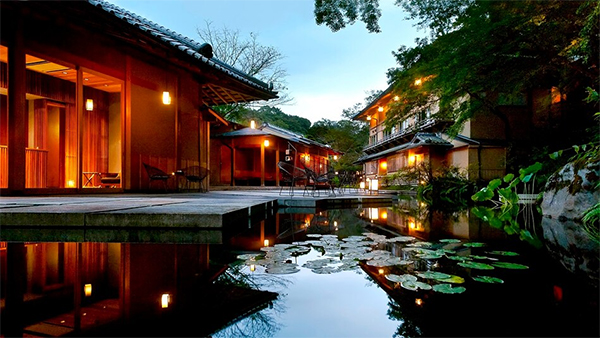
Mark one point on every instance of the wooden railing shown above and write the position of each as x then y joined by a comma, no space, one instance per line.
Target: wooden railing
3,166
36,163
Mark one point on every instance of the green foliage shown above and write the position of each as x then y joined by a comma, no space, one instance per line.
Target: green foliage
268,114
337,14
591,223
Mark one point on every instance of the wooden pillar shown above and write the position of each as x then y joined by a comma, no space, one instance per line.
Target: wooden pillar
262,163
17,109
16,267
276,162
232,162
80,124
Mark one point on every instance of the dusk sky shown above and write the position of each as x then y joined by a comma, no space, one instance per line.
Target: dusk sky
327,71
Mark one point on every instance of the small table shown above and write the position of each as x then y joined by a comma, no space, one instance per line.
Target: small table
88,176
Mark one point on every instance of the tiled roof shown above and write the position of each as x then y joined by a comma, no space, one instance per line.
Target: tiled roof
200,51
420,139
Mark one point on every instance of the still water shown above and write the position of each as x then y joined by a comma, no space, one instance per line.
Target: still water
394,271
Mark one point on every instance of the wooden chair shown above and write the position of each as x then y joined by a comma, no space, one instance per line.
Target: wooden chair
155,174
109,180
195,174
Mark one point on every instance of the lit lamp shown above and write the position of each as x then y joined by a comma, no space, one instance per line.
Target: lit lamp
71,184
87,290
166,98
252,124
252,267
383,165
89,105
373,213
266,143
381,271
165,300
362,185
380,109
374,184
266,243
384,215
335,157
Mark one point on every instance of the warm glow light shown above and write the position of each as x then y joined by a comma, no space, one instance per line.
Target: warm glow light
396,98
266,242
384,215
89,105
374,185
381,271
165,299
411,225
418,82
307,158
380,109
362,185
335,223
252,124
335,157
166,98
419,301
252,267
87,290
266,143
368,117
71,184
373,213
383,165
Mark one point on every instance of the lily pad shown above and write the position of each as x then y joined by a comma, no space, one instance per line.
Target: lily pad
401,278
430,256
474,245
488,279
248,256
507,265
448,288
453,279
459,258
503,253
314,235
476,265
414,285
283,269
433,275
450,240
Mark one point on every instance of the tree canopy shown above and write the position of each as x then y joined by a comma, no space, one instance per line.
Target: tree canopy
273,116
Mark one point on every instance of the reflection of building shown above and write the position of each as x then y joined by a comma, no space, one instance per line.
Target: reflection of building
89,88
81,285
251,155
480,149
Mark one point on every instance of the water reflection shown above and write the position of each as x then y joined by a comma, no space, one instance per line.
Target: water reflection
120,288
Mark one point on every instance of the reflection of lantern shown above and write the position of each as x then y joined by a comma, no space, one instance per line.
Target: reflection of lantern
419,301
71,184
252,267
252,124
384,215
165,299
87,290
374,184
381,271
373,213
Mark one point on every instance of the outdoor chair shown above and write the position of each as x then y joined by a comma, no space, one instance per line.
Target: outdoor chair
318,182
290,175
155,174
109,180
194,174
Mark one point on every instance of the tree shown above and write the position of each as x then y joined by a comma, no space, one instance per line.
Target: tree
251,57
276,117
480,52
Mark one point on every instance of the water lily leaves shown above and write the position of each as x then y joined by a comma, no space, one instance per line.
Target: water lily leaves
459,258
248,256
314,235
414,285
400,278
354,238
488,279
298,251
476,265
450,240
453,279
434,255
474,245
448,288
282,269
483,257
433,275
507,265
401,239
503,253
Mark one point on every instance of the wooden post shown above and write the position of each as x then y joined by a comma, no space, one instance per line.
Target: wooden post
262,163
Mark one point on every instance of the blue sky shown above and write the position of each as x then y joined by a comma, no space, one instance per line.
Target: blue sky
327,71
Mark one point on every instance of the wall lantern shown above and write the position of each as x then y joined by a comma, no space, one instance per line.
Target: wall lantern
252,124
71,184
266,242
87,290
362,185
166,98
384,215
165,300
374,184
396,98
369,117
418,82
266,143
335,157
306,158
380,109
383,165
89,105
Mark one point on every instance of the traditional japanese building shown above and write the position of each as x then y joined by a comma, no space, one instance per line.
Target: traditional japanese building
249,155
89,92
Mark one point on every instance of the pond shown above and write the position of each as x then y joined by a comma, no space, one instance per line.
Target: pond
399,270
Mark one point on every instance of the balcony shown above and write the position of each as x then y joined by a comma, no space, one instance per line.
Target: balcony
405,135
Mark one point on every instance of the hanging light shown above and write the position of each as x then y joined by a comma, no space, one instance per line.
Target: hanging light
166,98
380,109
89,105
266,243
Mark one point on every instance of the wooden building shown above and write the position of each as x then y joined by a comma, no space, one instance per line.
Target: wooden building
88,88
249,156
480,150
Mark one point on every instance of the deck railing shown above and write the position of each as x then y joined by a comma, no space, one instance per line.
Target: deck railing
3,166
36,163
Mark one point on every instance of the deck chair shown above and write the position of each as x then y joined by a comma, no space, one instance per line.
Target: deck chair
290,175
155,174
195,174
109,180
318,182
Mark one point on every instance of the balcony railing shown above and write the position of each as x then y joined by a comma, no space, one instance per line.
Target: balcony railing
404,132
